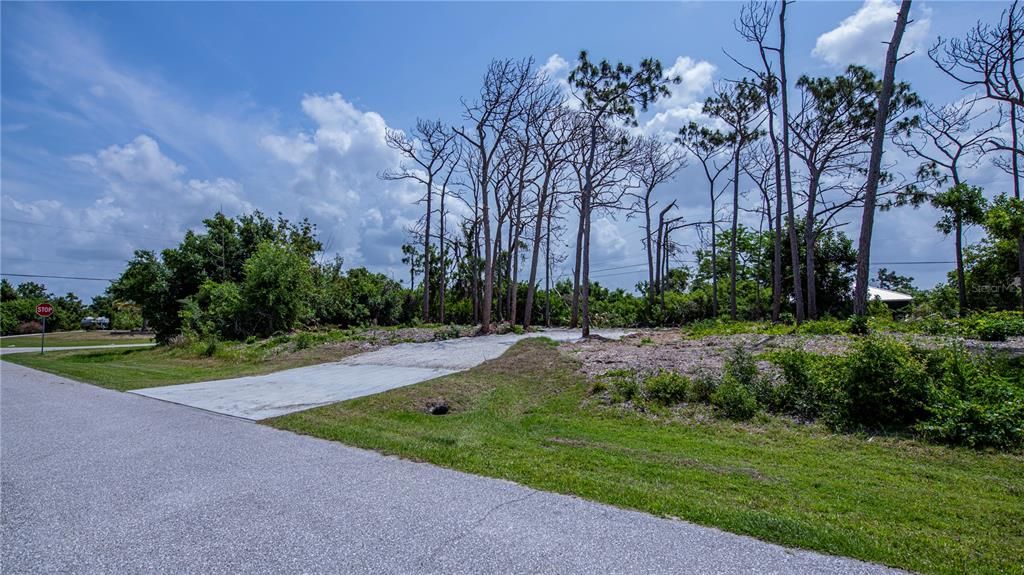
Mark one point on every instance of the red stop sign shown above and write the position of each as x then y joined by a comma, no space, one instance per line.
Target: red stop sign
44,310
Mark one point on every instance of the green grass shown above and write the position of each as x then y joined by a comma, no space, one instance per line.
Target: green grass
126,369
74,339
527,417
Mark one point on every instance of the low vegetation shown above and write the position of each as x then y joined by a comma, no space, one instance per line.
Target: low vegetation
531,417
76,338
880,385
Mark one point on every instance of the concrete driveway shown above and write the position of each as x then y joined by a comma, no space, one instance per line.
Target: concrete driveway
264,396
97,481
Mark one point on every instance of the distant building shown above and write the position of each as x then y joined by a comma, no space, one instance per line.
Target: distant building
889,297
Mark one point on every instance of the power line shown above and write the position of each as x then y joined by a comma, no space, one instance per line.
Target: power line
87,230
909,263
83,261
56,277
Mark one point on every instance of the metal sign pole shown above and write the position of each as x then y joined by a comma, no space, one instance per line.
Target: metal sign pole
42,341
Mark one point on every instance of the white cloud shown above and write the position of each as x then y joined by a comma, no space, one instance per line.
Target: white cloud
696,79
608,240
686,102
555,67
335,166
861,37
143,201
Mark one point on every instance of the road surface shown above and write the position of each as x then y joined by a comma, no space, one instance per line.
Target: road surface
96,481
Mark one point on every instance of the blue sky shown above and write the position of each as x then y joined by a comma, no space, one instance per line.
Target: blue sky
123,124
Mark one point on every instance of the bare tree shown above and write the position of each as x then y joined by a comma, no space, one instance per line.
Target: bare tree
431,151
740,106
609,92
794,243
555,127
442,236
860,299
710,147
492,118
832,129
988,59
755,19
947,139
657,162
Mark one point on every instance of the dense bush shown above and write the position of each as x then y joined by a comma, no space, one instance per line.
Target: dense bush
701,389
887,383
666,388
734,400
977,403
806,391
948,395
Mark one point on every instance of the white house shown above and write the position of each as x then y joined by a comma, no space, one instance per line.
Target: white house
889,296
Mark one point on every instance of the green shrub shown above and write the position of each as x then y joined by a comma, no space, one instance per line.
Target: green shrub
623,384
977,403
209,348
447,332
741,367
734,401
822,327
666,388
996,326
858,325
701,388
805,392
304,340
978,422
887,384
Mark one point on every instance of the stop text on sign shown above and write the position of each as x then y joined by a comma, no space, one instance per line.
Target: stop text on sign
44,310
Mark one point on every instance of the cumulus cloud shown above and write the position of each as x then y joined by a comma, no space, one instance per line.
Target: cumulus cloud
696,77
143,201
608,240
685,103
860,38
334,168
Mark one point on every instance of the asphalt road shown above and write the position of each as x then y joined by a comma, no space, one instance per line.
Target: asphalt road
263,396
96,481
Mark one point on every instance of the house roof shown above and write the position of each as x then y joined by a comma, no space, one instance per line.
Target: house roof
888,295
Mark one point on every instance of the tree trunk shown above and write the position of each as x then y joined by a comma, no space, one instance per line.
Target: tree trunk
777,234
497,252
809,242
574,319
860,301
477,308
538,228
1014,166
547,269
585,291
794,243
426,253
444,265
961,285
735,230
714,256
650,248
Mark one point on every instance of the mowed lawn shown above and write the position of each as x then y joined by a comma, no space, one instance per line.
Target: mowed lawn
125,369
74,339
527,417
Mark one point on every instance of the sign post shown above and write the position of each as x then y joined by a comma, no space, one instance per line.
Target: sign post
44,310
